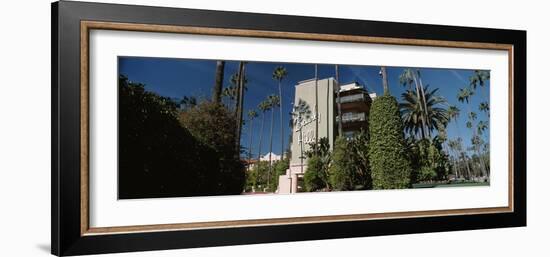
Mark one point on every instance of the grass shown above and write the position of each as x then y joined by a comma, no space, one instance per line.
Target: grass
461,184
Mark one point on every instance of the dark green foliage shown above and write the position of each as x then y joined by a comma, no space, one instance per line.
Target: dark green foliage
390,166
256,178
317,173
157,156
214,126
359,155
342,168
428,160
315,177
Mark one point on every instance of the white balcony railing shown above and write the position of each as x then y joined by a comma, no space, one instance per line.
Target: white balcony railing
352,98
353,117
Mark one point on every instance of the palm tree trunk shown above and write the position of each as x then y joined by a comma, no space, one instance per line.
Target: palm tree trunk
316,106
481,161
423,118
239,108
467,162
455,164
281,119
340,132
270,148
425,106
261,136
217,90
250,142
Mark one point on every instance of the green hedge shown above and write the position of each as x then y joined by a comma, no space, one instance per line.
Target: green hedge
390,166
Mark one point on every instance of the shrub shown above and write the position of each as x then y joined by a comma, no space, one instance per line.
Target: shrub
214,126
359,154
314,176
390,166
256,178
318,177
426,174
342,168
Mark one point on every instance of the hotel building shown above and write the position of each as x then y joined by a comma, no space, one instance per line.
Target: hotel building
355,103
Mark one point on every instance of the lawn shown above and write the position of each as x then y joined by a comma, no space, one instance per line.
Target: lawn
462,184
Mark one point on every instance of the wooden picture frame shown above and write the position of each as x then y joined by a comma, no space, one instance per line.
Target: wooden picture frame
71,25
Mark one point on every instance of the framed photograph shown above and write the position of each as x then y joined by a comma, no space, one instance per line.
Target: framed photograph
178,128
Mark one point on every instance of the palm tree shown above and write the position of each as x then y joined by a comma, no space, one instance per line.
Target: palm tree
477,142
464,95
279,74
264,107
273,101
301,114
422,93
484,107
188,102
453,113
217,90
316,104
457,146
482,126
472,116
409,78
239,107
479,78
339,105
229,93
453,146
236,86
252,114
411,111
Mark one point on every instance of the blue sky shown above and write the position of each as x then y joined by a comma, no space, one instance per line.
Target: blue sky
176,78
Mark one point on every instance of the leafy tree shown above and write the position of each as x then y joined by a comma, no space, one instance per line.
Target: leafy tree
359,155
214,126
317,174
390,166
426,174
341,168
256,178
314,178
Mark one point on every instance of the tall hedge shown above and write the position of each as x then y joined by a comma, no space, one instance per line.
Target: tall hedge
157,156
390,166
